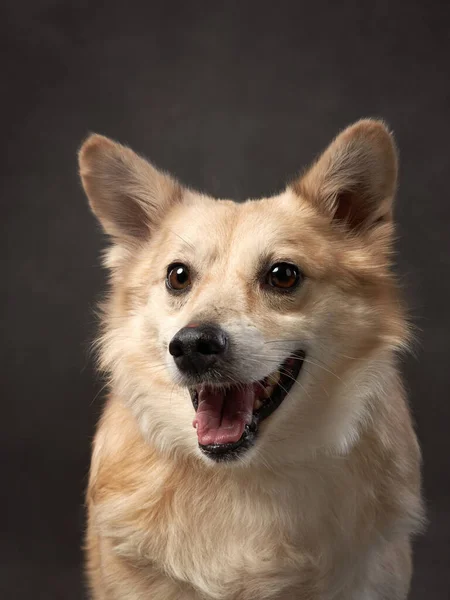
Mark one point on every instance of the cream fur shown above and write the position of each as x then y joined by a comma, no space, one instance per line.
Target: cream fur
324,505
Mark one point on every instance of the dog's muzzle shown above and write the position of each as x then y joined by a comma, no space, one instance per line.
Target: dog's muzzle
228,412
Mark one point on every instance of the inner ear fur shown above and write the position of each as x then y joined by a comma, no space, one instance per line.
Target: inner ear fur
126,193
354,181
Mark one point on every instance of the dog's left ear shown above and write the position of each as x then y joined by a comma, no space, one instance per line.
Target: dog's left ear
354,181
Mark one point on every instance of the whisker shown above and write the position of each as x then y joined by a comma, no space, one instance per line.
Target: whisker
304,359
182,239
104,386
311,362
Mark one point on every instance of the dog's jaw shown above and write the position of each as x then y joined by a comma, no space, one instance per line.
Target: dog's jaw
227,418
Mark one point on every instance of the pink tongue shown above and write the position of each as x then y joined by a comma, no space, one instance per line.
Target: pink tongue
221,416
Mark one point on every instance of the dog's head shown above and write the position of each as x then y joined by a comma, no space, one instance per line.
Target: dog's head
247,330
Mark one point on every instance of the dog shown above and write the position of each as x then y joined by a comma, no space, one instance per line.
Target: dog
256,443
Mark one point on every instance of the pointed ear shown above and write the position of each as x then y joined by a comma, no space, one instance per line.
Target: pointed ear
126,193
354,180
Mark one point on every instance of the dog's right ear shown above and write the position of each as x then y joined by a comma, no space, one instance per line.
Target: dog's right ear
353,182
126,193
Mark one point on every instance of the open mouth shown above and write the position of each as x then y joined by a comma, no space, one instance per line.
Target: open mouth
227,418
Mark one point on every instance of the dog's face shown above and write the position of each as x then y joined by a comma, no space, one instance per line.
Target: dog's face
246,330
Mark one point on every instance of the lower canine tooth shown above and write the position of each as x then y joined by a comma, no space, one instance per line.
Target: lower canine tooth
257,404
274,378
268,391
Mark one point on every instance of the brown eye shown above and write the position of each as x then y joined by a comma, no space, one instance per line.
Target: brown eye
178,277
283,276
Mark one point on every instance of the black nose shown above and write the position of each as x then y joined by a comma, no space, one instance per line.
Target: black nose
196,348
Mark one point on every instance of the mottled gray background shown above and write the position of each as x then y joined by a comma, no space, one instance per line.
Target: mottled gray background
233,99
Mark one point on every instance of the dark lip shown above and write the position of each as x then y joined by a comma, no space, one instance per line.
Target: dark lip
290,370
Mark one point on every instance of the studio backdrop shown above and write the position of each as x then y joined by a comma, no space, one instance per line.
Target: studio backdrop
233,98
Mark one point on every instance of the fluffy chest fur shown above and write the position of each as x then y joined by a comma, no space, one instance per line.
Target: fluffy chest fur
231,534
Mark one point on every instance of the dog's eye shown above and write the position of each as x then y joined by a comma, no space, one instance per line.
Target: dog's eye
283,276
178,277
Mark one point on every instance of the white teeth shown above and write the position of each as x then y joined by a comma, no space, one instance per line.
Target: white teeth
272,382
268,391
257,404
274,378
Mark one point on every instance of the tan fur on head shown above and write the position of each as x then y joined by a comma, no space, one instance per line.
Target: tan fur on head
323,506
